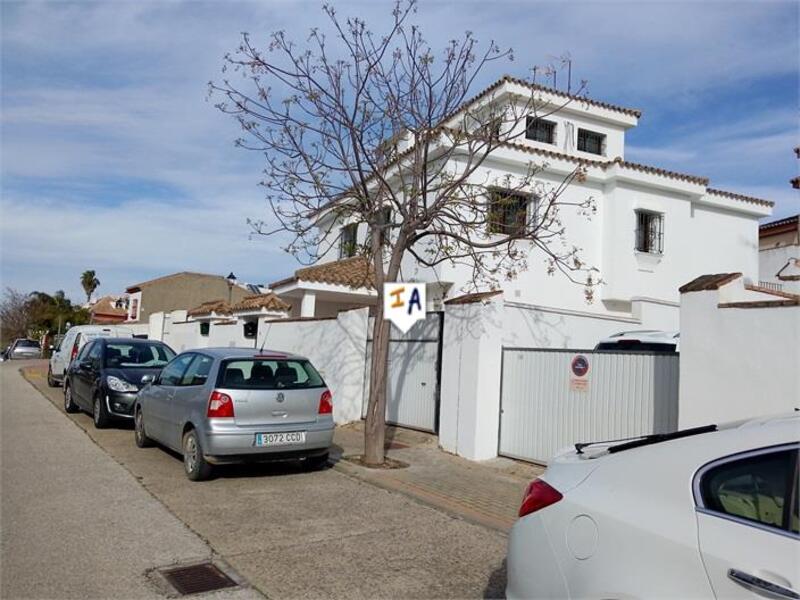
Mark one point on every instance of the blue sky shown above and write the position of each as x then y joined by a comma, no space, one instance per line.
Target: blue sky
113,159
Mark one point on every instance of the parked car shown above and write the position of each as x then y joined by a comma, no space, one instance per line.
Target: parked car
710,512
108,372
641,341
227,405
23,348
67,348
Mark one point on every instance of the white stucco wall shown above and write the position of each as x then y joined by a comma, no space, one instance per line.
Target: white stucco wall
736,363
772,260
469,415
336,347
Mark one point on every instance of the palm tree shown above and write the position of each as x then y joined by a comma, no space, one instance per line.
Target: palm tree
90,283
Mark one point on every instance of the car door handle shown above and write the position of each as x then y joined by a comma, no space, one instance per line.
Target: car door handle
762,586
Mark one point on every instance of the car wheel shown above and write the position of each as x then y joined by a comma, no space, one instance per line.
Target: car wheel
69,403
194,462
99,414
142,441
50,381
315,463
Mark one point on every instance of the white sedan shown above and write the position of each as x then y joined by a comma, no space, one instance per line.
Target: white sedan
710,512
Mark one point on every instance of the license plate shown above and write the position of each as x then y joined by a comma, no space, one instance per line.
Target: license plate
287,438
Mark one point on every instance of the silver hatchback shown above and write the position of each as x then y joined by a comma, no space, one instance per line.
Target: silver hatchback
229,405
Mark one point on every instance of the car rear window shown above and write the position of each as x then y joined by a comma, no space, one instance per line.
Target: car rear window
260,374
137,355
635,346
27,344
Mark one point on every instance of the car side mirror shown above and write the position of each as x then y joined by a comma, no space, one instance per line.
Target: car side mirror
51,347
148,379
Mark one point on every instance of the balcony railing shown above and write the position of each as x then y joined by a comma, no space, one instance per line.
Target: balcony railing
777,287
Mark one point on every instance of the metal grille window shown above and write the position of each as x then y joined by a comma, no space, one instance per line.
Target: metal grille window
590,141
649,232
508,212
540,130
347,240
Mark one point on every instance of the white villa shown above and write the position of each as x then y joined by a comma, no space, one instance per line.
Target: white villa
653,231
492,372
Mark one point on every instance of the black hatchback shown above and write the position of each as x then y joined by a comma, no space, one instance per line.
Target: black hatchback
105,377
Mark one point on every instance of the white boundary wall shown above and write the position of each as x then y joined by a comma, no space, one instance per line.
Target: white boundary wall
737,363
336,347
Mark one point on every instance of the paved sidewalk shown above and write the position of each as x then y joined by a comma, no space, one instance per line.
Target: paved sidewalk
75,524
488,493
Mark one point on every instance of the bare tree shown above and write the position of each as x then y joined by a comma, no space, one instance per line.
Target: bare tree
381,130
14,315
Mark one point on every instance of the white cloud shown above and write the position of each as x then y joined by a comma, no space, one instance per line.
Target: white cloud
115,92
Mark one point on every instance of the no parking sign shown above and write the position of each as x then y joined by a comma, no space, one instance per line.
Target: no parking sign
579,379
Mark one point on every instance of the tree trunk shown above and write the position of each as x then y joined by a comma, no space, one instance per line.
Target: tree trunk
375,432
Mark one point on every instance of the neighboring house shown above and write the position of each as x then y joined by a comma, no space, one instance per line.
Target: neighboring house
182,291
654,229
109,310
779,254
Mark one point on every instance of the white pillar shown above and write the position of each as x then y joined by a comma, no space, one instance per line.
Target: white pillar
469,417
308,304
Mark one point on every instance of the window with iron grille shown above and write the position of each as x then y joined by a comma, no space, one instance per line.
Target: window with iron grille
347,240
540,130
590,141
385,225
649,232
508,212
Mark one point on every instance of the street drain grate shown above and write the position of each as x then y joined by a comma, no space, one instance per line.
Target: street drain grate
196,579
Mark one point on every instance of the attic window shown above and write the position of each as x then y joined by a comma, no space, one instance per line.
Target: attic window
347,240
590,141
540,130
508,212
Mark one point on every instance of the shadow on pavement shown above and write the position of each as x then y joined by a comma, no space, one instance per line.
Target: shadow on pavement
496,585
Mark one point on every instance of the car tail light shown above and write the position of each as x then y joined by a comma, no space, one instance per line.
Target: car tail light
326,403
74,352
219,406
538,495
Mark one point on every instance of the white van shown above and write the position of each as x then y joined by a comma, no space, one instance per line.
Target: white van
73,341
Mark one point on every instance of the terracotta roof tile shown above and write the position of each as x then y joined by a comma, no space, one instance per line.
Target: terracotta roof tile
352,272
759,304
742,197
259,301
107,306
708,282
541,88
219,307
793,220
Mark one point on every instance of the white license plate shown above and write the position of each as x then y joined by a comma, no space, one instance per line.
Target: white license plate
287,438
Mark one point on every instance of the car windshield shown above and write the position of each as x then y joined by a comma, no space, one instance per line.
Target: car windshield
27,344
259,374
137,355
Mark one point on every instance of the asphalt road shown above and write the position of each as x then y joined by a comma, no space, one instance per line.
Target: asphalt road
287,532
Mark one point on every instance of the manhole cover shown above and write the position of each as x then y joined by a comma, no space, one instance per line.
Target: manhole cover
196,579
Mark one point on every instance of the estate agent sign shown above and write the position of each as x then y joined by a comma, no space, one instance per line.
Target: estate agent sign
404,303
